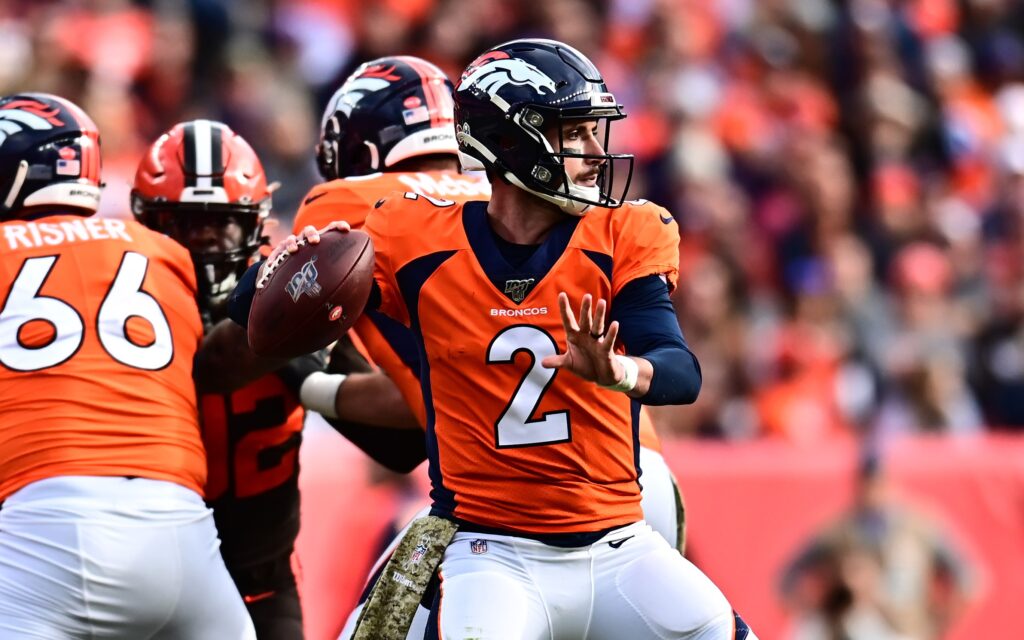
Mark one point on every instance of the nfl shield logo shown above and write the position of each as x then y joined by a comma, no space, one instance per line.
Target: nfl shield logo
517,289
418,553
478,546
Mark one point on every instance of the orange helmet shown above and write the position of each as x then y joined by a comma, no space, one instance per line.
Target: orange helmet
203,185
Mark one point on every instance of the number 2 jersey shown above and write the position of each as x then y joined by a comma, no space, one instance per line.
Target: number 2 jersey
513,445
98,330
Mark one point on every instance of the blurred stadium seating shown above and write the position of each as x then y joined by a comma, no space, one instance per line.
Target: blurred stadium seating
849,180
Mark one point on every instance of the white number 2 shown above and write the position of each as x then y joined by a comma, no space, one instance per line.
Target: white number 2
125,299
515,428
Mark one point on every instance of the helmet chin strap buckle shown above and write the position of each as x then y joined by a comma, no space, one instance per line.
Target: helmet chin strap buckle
542,174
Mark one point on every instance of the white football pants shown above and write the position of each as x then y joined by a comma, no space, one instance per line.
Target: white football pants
92,557
660,512
629,584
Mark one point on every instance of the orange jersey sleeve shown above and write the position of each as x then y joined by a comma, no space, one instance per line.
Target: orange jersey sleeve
352,199
647,243
514,445
388,227
98,330
339,200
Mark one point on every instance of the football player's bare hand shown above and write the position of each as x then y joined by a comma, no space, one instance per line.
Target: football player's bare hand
589,349
290,245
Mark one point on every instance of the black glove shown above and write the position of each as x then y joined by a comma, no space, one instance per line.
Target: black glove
298,369
345,358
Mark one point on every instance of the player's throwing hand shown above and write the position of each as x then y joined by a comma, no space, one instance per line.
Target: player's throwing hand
291,244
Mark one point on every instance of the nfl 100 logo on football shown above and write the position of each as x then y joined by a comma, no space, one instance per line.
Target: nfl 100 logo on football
304,282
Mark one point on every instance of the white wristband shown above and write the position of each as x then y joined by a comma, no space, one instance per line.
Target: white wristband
629,380
318,392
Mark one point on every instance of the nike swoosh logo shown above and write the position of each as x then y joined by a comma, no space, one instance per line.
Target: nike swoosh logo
666,219
313,197
615,544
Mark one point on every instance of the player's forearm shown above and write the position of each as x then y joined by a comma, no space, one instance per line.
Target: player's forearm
224,362
667,376
400,450
645,374
373,399
669,372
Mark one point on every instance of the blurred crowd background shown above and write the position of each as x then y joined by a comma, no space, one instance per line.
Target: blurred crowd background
848,176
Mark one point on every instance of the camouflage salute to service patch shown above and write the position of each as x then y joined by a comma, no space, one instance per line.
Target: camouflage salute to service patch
393,600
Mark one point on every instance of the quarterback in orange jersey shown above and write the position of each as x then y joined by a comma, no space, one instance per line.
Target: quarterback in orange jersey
103,529
363,160
362,165
204,186
533,409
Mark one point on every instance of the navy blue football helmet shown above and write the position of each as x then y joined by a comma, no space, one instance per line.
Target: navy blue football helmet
388,110
509,96
49,156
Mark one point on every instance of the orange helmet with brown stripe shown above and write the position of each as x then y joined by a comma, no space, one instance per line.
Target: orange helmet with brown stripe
203,185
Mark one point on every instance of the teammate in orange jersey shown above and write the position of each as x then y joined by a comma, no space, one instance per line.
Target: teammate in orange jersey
537,464
103,529
204,186
389,127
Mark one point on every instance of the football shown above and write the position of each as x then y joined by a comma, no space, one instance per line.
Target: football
306,300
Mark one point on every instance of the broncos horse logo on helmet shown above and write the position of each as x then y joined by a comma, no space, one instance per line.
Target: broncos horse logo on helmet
496,73
49,156
18,115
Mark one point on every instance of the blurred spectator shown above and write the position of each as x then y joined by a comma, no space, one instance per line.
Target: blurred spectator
926,358
803,146
881,571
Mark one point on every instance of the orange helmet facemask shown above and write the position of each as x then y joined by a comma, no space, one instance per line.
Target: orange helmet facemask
203,185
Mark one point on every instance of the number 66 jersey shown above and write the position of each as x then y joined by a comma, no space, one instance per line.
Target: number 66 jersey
512,445
98,329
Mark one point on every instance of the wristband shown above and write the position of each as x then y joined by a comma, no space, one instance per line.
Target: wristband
629,380
319,392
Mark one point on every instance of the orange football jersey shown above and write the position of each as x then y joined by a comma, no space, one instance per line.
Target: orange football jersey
252,437
514,445
387,343
98,330
352,199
